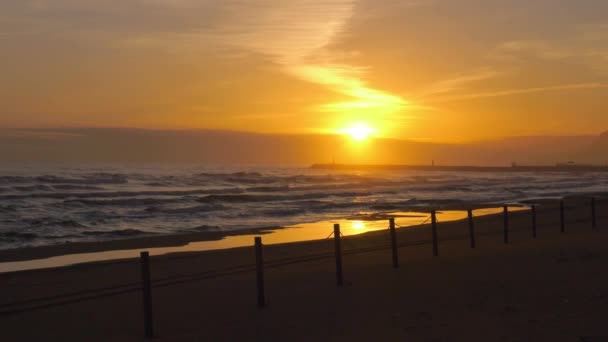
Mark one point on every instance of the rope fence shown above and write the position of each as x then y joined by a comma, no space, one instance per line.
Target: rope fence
147,285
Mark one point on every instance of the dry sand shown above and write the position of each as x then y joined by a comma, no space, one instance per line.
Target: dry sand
553,288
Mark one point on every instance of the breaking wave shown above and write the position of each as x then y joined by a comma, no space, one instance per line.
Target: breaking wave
118,232
113,202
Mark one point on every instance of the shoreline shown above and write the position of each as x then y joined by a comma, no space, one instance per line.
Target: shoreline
31,258
150,241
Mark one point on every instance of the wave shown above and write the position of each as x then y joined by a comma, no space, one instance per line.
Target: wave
85,205
118,232
309,207
39,187
240,177
8,208
95,178
205,228
15,179
299,208
413,203
392,205
53,222
335,178
159,184
12,235
273,198
327,187
281,212
551,186
280,188
110,194
75,187
188,210
259,178
321,206
127,202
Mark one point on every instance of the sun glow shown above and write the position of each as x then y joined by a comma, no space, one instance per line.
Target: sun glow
359,131
358,225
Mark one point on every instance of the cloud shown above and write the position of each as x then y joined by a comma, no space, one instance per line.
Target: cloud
540,49
293,35
509,92
299,64
456,83
586,44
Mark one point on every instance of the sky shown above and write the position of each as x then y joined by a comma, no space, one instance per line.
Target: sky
427,70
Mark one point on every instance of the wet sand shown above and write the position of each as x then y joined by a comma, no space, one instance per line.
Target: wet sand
80,252
553,288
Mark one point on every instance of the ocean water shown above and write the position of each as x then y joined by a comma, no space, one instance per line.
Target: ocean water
42,204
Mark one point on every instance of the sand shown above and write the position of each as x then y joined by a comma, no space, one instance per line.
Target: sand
553,288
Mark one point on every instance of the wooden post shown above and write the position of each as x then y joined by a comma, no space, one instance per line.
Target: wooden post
147,295
434,229
338,251
593,215
394,243
471,228
506,224
533,221
562,216
259,266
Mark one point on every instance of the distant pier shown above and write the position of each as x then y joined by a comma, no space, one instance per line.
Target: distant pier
464,168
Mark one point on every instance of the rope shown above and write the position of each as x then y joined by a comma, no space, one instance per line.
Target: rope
116,290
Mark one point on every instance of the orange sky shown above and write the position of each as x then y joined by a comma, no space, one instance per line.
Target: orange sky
419,69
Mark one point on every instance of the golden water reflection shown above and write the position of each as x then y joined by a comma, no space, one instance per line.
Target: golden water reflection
301,232
358,225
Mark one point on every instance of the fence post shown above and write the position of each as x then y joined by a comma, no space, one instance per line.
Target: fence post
562,216
394,243
338,251
259,266
506,224
593,217
434,229
533,221
147,295
471,228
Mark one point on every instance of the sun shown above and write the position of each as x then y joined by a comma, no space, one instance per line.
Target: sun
359,131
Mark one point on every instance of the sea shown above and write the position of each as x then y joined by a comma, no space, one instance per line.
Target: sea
48,204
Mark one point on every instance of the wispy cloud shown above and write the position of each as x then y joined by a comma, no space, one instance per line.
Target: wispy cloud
456,83
295,34
301,65
541,49
585,44
510,92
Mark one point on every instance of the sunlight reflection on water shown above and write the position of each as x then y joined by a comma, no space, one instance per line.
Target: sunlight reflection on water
301,232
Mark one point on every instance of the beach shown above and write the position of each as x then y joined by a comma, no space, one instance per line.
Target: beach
551,288
310,170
